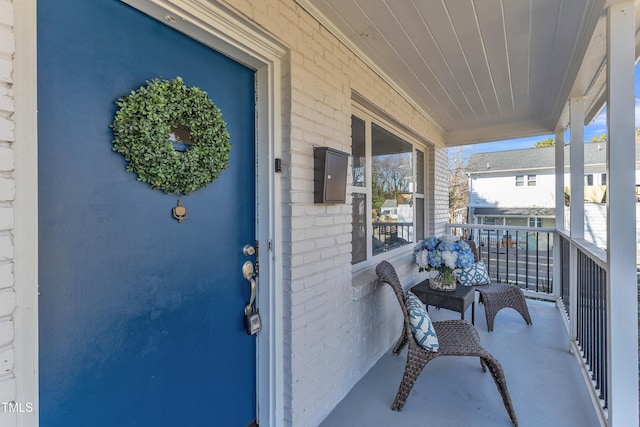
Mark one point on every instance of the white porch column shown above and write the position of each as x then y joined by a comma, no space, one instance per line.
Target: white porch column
576,209
576,162
622,306
559,179
559,213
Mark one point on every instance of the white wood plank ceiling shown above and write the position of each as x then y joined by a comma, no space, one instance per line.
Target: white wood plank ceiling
482,70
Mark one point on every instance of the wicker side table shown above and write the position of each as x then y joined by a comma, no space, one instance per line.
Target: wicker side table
458,300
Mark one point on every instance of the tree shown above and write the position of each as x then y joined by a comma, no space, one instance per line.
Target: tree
603,137
549,142
458,182
388,177
599,138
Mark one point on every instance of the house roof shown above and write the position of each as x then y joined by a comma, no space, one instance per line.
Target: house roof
595,153
481,70
389,203
520,212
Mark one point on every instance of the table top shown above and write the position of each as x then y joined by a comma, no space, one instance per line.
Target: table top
458,300
460,291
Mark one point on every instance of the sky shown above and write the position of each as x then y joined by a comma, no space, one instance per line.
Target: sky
597,127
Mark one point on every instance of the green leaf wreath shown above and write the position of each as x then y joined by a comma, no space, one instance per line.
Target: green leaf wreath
150,117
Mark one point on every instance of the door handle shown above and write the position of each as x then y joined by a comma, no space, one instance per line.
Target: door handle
247,272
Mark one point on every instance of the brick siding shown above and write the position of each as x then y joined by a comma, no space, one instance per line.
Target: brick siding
7,197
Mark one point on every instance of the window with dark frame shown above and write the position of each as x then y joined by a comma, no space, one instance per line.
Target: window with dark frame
530,180
535,222
388,190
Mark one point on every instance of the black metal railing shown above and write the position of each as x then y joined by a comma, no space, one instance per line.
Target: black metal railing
565,262
390,235
515,257
591,319
519,255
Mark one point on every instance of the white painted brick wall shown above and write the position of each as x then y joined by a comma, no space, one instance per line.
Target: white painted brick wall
7,188
6,13
6,100
6,275
335,338
7,196
6,67
441,190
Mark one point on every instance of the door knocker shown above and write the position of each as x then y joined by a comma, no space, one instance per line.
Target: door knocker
180,212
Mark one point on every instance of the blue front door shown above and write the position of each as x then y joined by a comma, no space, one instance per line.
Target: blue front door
141,317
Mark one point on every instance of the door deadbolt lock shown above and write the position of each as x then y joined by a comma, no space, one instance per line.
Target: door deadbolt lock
252,321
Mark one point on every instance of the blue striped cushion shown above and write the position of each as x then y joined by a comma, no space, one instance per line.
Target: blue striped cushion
421,325
474,275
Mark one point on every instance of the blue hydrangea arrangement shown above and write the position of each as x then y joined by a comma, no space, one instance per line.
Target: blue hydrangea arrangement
444,254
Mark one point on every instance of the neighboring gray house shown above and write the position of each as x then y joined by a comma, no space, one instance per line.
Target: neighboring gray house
517,188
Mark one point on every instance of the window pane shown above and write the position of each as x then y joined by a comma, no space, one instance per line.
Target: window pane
489,220
531,180
519,180
358,152
392,190
603,179
419,172
535,222
359,228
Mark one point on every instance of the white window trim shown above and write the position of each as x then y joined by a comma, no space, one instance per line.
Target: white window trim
365,113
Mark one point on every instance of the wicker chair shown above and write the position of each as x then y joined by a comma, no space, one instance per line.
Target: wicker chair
496,296
455,338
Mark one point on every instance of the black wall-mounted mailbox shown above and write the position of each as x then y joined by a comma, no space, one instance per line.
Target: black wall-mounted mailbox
329,175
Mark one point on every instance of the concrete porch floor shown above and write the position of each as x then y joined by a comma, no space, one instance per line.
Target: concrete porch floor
543,378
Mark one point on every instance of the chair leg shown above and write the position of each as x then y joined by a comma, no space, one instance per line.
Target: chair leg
483,365
490,314
519,304
489,308
498,377
402,341
512,299
523,309
414,366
